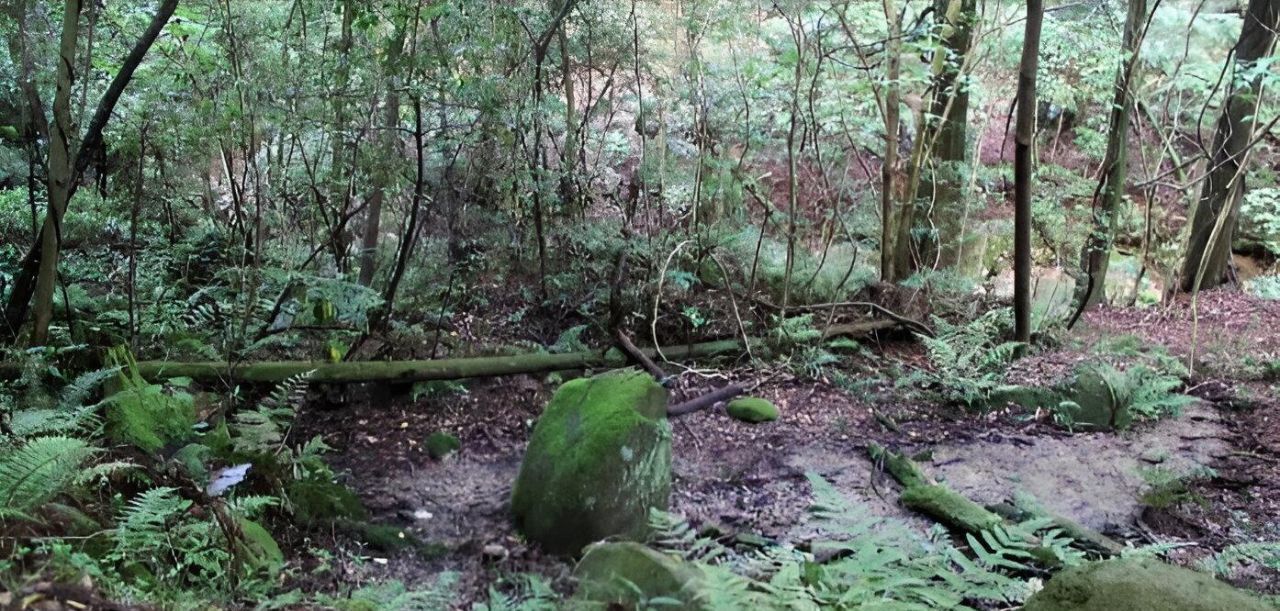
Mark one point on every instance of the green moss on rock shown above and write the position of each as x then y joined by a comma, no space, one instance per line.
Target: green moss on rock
440,444
752,409
260,547
1128,584
627,573
949,507
599,459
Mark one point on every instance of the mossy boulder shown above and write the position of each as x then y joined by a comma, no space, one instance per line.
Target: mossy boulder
1128,584
627,573
752,409
1096,401
1027,397
441,444
598,460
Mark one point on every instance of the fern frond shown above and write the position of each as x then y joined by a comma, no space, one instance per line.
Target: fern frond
42,469
1263,553
77,393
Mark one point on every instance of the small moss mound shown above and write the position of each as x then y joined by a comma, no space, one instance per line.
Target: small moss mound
320,502
1127,584
752,409
628,574
260,548
441,444
598,460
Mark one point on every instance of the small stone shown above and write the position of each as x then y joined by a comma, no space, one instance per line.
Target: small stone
752,409
495,552
441,444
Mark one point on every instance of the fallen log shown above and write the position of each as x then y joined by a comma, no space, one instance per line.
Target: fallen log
348,372
417,371
952,509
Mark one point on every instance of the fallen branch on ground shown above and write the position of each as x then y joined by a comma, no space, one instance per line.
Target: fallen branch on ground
705,401
957,512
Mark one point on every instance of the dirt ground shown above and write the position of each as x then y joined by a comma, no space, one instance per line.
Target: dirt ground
752,478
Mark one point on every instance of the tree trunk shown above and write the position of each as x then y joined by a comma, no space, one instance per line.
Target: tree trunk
38,274
943,191
889,170
1022,169
1214,220
339,190
390,145
1097,253
61,169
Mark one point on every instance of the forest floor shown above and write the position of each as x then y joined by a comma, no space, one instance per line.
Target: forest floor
740,478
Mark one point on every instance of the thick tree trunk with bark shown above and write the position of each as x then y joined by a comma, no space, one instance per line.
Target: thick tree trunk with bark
1022,169
889,213
1097,253
1214,220
942,191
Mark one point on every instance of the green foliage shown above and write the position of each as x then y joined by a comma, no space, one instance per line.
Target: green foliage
1265,287
873,561
1261,553
1111,397
967,360
147,415
527,592
1260,219
1166,488
261,432
37,471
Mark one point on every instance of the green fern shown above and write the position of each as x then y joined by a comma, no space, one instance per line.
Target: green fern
671,533
38,471
262,431
968,361
1261,553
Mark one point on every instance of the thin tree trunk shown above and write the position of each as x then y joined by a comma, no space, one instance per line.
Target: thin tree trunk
39,270
1207,253
1023,171
390,144
1110,192
61,169
339,189
889,170
411,228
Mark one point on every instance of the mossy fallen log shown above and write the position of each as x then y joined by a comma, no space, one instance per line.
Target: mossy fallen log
920,493
955,511
418,371
445,369
1096,541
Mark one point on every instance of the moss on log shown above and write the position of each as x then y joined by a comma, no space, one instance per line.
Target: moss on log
444,369
418,371
937,501
899,466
